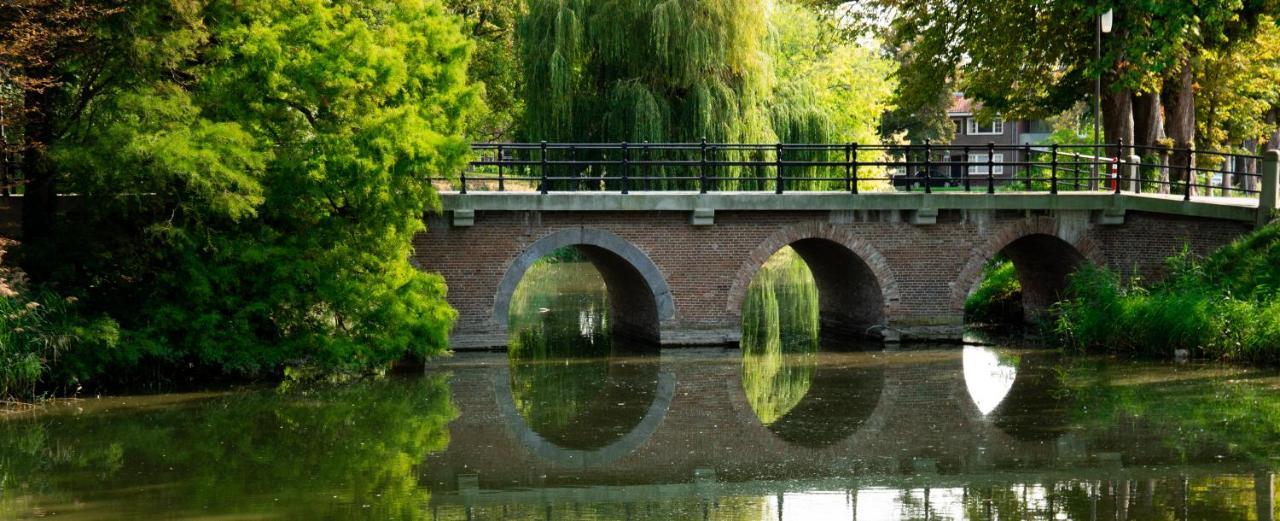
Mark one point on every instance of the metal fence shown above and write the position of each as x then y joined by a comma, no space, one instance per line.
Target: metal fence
853,168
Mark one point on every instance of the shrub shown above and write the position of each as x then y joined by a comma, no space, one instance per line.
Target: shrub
37,329
1222,307
998,299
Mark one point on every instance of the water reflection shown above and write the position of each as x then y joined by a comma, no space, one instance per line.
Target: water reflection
574,385
850,435
349,452
988,376
799,399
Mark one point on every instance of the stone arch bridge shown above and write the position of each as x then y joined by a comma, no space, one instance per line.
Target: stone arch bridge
893,265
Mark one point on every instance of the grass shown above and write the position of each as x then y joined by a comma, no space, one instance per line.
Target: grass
1225,306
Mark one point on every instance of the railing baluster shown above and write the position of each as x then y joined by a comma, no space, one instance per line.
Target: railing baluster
626,164
1186,196
543,160
648,168
853,185
777,189
1026,156
848,167
702,170
501,184
1053,169
462,178
1119,167
991,167
966,171
928,183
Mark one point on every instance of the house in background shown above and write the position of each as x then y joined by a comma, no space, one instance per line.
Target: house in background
971,132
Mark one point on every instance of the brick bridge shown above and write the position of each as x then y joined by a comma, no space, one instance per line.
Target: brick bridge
893,265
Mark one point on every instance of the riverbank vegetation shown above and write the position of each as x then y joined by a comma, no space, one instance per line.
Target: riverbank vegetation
998,298
1225,306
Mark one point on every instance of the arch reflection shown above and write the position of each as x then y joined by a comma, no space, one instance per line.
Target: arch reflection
988,376
572,383
802,396
1021,392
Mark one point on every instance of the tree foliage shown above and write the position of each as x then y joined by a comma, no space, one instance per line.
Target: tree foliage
1029,59
250,176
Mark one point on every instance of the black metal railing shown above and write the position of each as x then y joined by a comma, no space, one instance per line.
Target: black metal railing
854,168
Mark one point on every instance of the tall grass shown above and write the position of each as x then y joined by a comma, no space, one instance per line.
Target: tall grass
1225,306
37,329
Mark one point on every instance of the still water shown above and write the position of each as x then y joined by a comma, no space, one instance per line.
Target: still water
573,424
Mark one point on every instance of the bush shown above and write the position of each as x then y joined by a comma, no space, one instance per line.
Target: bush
1222,307
37,329
998,299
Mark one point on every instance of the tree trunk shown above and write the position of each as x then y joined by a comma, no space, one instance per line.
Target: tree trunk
1246,166
1117,119
39,200
1148,121
1180,121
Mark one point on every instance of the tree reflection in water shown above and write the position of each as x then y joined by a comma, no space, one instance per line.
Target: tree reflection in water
802,397
349,452
779,336
574,385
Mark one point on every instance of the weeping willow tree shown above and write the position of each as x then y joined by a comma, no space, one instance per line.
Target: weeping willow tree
661,71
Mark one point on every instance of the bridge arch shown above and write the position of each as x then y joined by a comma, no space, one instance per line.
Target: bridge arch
1044,252
627,271
856,289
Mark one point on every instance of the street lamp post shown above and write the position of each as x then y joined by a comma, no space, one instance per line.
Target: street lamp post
1103,25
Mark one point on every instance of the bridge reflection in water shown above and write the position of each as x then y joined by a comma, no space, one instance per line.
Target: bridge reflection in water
571,425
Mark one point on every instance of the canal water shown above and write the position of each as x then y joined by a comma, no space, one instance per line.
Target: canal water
573,424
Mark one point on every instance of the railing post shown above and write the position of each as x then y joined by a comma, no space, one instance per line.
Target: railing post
848,166
928,183
991,167
572,169
648,169
462,178
1053,169
1270,178
854,169
1119,169
543,159
1133,171
1186,193
966,170
702,171
777,189
626,164
502,187
1026,156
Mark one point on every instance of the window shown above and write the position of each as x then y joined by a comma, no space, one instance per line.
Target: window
981,161
995,127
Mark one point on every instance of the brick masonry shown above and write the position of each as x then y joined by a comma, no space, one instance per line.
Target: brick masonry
921,273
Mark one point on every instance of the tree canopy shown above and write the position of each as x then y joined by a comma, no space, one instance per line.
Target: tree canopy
250,175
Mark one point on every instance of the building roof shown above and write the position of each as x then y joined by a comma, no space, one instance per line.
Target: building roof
961,105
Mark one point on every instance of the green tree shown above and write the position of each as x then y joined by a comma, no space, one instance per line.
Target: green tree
608,70
1034,59
251,176
491,26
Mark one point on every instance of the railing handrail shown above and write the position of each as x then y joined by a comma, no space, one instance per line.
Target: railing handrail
780,167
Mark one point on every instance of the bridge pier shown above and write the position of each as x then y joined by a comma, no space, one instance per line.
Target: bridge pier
879,271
